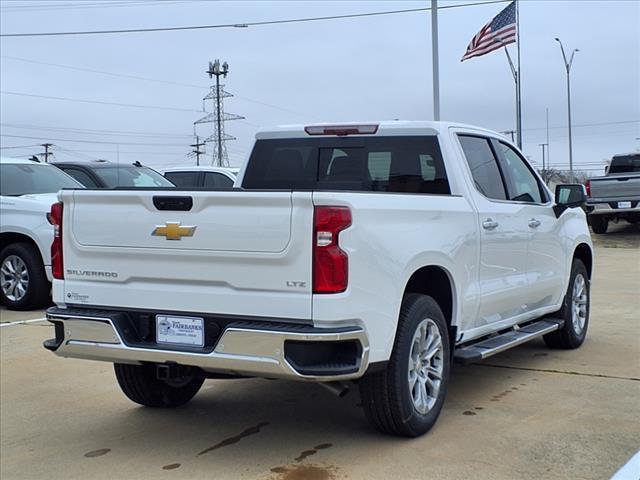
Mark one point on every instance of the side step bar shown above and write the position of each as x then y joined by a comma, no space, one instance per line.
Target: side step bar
512,338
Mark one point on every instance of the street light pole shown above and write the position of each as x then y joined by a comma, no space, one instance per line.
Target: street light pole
567,64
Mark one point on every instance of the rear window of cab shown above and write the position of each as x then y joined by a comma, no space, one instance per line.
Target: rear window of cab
410,164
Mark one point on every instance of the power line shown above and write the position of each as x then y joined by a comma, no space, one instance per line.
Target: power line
73,6
585,125
99,102
80,100
245,24
79,155
121,152
94,141
102,72
146,79
89,131
19,146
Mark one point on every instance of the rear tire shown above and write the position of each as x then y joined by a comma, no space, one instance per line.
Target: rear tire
405,399
141,385
23,281
599,224
574,311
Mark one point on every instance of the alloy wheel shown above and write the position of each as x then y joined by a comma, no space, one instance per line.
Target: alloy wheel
426,365
14,278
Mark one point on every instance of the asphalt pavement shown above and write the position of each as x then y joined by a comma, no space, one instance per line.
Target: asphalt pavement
529,413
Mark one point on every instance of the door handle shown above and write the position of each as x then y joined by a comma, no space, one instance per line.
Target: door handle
489,224
534,223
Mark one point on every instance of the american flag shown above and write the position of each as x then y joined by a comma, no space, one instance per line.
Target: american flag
498,32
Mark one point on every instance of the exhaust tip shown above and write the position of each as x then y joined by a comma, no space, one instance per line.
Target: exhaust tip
339,389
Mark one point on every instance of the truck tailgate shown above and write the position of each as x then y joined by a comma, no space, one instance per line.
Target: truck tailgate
231,252
615,187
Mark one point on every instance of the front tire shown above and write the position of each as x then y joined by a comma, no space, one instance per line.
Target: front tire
141,385
405,399
599,224
23,282
574,311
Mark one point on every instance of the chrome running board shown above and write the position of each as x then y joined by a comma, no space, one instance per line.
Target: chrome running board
475,352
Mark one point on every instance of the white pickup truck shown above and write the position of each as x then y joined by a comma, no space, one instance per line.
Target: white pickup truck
377,253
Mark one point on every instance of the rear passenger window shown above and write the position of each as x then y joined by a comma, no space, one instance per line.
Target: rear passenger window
484,166
81,176
220,180
384,164
183,179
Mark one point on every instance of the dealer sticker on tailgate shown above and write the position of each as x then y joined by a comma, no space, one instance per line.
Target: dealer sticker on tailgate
180,330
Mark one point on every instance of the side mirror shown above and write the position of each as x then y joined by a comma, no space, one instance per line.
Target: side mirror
570,195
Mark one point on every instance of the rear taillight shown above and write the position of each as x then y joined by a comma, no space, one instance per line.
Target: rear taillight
587,187
330,262
55,219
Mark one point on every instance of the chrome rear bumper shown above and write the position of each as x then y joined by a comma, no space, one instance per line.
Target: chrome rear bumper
243,348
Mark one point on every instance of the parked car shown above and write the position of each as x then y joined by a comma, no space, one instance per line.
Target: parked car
615,196
103,174
27,191
378,253
196,177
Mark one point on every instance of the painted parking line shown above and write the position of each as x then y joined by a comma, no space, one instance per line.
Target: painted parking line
22,322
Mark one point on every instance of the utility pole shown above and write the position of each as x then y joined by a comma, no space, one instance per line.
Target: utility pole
510,133
197,150
47,146
543,162
434,60
218,117
548,154
567,65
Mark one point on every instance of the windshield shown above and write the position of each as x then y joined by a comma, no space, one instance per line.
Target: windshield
625,164
130,176
24,179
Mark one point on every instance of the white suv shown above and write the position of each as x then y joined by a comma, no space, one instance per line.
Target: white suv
27,190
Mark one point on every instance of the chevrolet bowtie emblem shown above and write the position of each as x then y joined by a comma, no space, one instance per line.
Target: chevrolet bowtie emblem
173,231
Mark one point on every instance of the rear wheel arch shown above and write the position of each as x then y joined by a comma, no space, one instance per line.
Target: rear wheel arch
9,238
436,282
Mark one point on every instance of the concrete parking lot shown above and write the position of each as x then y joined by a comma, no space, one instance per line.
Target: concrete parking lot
529,413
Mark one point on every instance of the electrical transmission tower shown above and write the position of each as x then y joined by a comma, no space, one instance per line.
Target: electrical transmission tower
218,116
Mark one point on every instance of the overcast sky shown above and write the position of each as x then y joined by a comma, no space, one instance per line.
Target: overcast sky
341,70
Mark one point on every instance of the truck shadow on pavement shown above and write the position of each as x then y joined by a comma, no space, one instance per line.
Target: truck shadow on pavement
281,425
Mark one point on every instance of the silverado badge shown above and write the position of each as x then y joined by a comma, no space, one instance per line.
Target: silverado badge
173,231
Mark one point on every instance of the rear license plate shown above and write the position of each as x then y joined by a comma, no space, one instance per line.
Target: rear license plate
624,204
180,330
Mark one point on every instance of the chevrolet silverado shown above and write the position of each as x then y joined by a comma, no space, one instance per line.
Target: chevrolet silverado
374,253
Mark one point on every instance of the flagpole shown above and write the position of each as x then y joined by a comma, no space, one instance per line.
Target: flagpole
518,80
514,72
434,60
